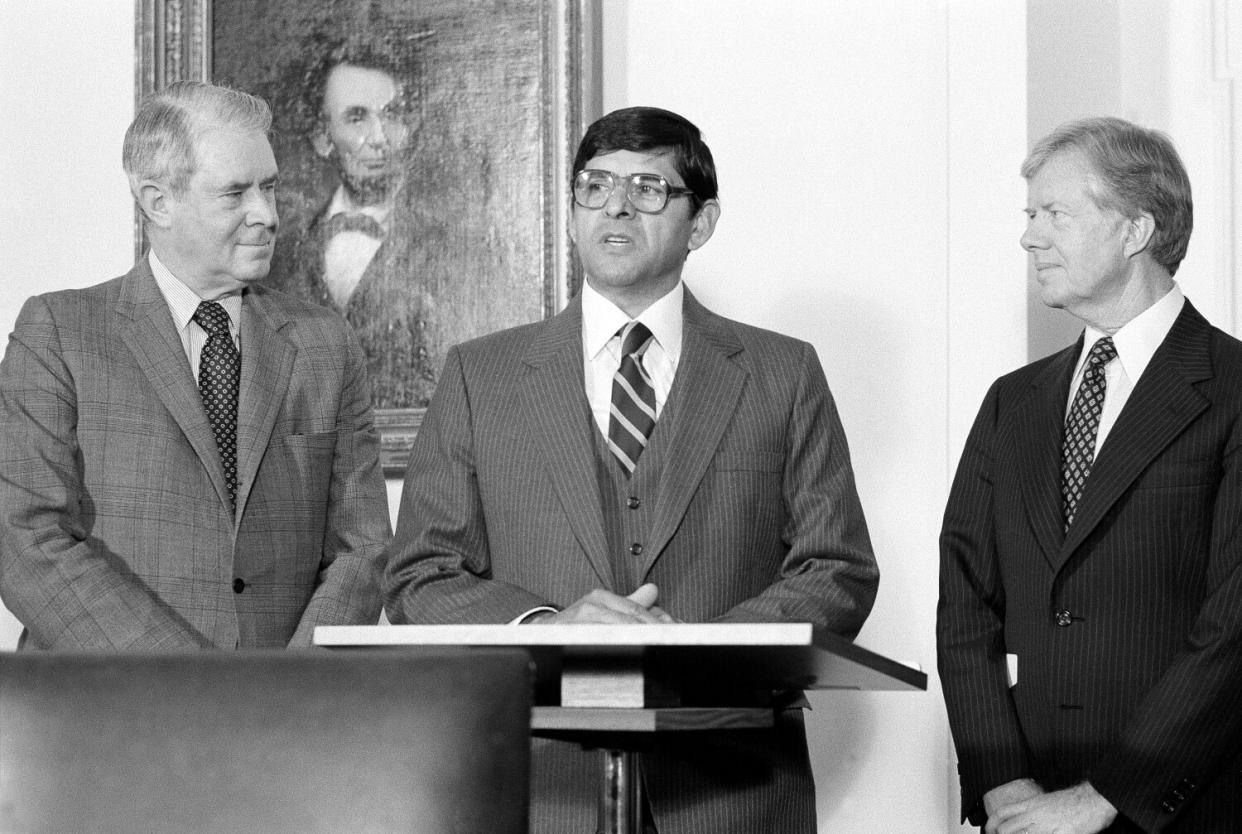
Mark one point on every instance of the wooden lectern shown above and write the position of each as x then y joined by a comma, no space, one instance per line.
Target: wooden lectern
611,686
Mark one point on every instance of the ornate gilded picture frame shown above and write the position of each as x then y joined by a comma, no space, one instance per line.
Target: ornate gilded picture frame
453,128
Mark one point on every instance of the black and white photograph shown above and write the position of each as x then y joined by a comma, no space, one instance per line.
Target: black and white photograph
621,416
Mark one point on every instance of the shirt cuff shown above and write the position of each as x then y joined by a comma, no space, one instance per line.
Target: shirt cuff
521,618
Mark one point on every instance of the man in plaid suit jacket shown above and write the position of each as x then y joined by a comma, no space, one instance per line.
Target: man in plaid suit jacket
122,525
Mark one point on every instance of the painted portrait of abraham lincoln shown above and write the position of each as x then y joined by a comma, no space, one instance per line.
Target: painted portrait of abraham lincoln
414,168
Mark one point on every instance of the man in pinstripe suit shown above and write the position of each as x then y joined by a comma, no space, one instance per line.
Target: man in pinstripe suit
1090,621
139,514
522,504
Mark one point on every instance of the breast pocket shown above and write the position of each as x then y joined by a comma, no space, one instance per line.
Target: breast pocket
748,460
312,442
299,466
1170,472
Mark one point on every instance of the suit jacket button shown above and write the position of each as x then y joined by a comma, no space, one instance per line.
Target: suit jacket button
633,503
1168,807
239,585
636,549
1063,618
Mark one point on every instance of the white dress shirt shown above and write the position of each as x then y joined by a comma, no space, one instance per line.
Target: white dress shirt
601,347
1135,342
183,302
348,254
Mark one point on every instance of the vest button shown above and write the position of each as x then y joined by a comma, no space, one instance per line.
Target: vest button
636,549
633,503
239,585
1063,618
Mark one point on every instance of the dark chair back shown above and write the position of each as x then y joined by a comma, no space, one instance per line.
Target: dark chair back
394,740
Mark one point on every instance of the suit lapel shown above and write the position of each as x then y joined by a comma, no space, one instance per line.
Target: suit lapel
1162,404
1038,430
702,403
152,338
267,366
554,410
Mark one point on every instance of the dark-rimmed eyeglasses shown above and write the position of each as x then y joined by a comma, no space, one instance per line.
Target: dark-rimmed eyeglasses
648,193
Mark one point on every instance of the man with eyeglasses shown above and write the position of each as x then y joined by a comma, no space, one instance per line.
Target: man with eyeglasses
639,459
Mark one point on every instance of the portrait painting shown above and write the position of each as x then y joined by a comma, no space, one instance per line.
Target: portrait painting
424,149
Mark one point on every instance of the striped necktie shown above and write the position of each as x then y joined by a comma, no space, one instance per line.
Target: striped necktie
1081,426
633,399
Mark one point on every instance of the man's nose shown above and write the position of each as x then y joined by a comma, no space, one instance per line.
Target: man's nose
377,132
1032,237
261,208
619,204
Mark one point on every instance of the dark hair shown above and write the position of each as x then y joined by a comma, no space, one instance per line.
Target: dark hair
643,129
161,141
394,53
1138,170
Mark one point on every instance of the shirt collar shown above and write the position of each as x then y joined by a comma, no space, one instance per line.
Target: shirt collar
342,204
183,301
601,319
1137,340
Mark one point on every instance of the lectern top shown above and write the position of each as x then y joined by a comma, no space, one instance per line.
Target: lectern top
637,635
776,655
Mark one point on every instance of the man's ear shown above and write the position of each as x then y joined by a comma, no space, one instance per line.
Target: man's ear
704,224
1138,234
156,203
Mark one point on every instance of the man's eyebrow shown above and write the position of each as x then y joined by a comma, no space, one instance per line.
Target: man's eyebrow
242,185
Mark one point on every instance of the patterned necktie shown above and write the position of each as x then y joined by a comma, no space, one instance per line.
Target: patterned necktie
219,377
633,399
1078,447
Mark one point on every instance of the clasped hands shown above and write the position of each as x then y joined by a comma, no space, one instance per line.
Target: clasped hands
601,606
1022,807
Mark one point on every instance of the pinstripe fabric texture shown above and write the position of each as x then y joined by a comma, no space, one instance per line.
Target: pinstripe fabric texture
117,526
1127,628
758,520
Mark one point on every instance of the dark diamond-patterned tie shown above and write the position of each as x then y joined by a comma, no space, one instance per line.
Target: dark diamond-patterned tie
1078,447
219,375
633,399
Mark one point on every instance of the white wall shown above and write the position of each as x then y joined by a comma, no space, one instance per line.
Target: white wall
67,92
868,152
1170,66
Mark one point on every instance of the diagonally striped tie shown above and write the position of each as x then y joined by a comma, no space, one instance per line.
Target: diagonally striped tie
633,399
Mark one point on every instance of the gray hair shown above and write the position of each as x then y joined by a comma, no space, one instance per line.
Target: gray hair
1139,171
160,143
